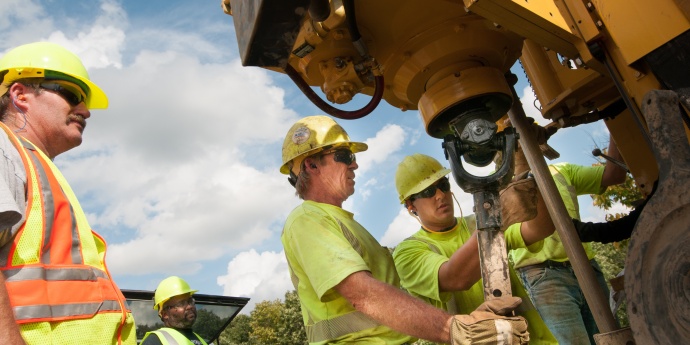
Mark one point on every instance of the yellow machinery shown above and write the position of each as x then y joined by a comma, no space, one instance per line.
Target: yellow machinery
626,62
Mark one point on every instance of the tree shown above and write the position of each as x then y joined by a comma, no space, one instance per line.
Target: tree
207,324
238,331
264,319
291,325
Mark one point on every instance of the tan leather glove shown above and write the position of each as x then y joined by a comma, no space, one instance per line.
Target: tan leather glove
488,324
518,201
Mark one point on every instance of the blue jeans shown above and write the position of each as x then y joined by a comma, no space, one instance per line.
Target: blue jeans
557,296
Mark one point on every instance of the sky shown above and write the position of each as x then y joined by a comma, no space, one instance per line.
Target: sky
180,174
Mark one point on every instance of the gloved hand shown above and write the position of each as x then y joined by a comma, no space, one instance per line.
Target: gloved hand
542,134
518,201
488,324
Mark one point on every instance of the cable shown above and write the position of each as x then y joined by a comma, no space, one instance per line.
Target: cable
23,115
341,114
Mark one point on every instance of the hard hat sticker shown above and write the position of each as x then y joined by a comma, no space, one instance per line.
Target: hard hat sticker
301,135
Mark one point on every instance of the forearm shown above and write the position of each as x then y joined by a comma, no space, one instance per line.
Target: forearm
9,331
394,308
462,269
540,227
613,174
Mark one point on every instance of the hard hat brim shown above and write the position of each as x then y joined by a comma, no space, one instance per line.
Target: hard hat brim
427,182
95,99
354,146
156,306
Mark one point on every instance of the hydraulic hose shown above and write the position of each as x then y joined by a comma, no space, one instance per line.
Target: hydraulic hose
341,114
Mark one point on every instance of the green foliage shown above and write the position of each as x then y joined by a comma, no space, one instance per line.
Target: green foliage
207,324
271,322
291,325
625,193
238,331
265,317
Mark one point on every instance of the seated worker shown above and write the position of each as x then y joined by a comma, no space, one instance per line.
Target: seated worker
175,304
440,263
347,284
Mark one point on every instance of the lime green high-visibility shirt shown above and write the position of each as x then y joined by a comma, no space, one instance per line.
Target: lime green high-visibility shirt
324,245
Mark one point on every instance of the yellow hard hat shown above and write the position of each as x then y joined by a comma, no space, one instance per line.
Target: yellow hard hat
417,172
50,61
311,135
169,288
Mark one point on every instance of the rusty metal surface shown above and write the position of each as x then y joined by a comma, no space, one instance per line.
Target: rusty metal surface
657,280
493,258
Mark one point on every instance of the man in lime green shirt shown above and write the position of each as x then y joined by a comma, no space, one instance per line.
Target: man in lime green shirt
347,283
548,276
440,263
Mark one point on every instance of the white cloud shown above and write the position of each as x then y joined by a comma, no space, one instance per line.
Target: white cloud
185,158
387,141
530,106
260,276
402,227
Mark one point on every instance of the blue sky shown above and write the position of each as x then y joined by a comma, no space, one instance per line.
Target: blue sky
180,173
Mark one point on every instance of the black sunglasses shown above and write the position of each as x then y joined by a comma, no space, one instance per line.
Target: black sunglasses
343,156
72,97
443,184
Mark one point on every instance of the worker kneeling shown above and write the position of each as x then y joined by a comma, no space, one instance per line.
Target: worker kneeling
176,308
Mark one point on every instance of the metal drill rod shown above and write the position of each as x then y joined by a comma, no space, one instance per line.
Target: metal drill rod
598,303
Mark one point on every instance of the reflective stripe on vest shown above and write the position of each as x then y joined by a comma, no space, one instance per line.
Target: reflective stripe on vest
170,336
344,324
339,326
55,266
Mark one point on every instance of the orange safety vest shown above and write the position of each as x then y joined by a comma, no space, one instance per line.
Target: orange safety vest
55,267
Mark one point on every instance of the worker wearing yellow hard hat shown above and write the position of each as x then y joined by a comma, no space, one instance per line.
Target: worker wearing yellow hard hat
177,309
440,263
310,136
45,298
346,281
50,61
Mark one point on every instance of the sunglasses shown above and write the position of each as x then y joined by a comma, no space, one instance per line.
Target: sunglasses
182,304
344,156
443,184
70,93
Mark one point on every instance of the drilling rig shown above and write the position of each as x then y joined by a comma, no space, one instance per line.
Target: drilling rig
626,63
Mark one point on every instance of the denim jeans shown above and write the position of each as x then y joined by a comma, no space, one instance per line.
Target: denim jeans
557,296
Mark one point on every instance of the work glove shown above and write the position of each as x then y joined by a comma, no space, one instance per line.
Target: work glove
491,323
542,134
518,201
